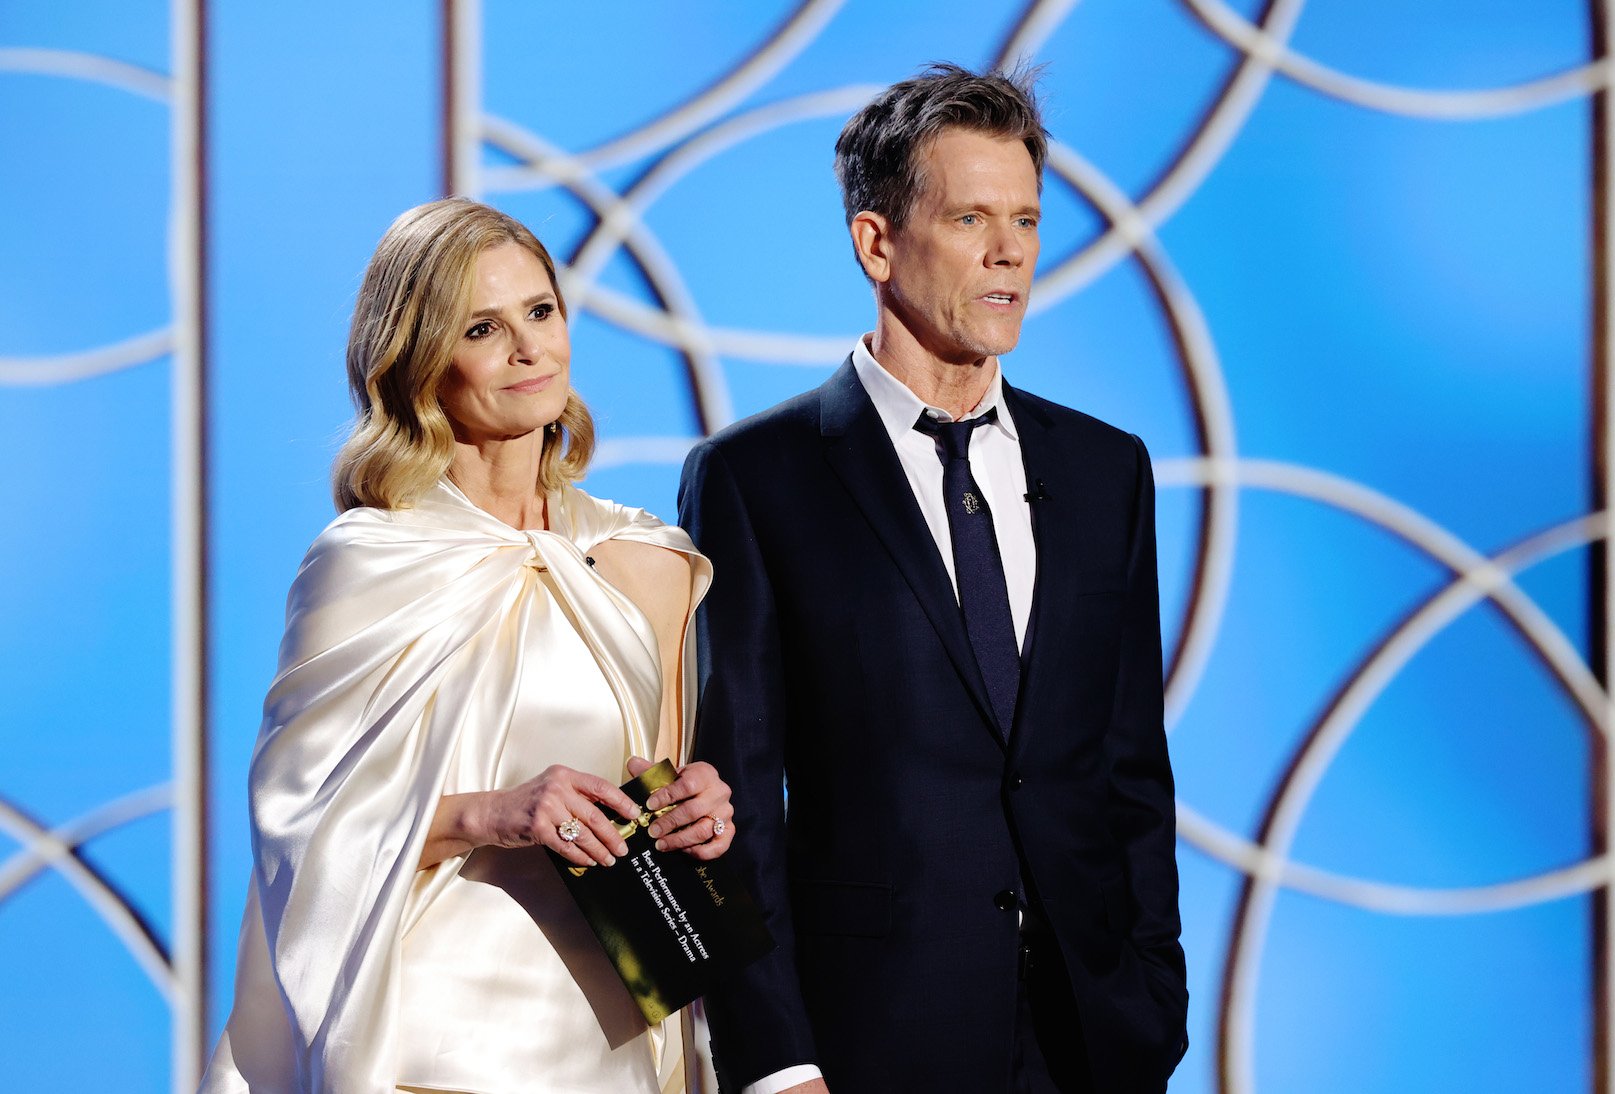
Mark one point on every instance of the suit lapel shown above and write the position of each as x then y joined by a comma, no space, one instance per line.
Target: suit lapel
860,452
1049,517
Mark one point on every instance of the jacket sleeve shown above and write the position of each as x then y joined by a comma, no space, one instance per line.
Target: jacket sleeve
759,1024
1142,798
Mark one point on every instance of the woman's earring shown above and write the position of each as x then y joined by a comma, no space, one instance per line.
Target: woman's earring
554,427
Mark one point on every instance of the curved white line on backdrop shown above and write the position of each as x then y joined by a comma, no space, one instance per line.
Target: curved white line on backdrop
1256,915
760,65
793,350
29,860
1038,24
1492,102
86,364
622,451
73,65
1211,141
1378,896
608,232
1471,567
96,892
1477,578
121,76
712,389
1213,410
621,220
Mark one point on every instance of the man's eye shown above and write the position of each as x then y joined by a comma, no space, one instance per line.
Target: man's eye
1027,222
969,218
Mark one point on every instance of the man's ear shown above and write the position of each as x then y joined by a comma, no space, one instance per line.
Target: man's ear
871,239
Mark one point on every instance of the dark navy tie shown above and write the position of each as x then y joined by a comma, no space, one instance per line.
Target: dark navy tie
978,569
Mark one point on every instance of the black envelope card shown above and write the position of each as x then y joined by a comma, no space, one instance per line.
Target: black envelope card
671,924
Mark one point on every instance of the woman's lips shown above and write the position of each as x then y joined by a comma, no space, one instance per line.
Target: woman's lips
527,387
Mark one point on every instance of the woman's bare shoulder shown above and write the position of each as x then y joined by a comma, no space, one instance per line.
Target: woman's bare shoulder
651,575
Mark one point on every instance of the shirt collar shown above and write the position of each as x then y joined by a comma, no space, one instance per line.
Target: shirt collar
899,408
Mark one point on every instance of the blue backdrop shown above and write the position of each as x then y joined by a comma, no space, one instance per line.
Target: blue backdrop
1335,262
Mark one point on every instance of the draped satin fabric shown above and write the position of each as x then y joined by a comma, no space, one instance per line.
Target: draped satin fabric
431,651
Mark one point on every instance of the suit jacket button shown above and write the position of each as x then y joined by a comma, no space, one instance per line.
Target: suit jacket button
1005,900
1015,781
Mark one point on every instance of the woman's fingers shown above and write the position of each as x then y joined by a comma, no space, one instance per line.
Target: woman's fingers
568,849
703,830
563,803
600,829
594,839
689,815
700,801
597,789
692,780
712,848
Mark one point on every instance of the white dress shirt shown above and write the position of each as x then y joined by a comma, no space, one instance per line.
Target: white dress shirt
995,463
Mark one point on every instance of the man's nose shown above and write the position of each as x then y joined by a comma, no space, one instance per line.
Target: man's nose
1006,248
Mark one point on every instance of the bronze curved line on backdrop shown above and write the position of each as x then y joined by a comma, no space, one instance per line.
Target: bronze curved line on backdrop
461,58
601,241
607,234
625,213
795,34
1451,105
180,975
1389,898
1131,231
1032,31
1489,579
1476,578
28,861
1212,135
54,848
708,387
629,314
1212,414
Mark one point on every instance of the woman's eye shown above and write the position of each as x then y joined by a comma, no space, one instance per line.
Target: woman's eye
542,311
481,330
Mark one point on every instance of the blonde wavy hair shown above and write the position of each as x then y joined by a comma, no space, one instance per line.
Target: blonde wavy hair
412,304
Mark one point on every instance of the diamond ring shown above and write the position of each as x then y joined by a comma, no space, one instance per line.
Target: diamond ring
718,826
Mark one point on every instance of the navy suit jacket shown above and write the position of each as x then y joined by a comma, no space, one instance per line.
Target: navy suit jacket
834,655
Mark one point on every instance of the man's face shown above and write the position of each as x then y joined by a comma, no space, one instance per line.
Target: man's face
961,267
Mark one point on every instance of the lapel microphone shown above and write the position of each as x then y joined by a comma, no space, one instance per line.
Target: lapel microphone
1037,493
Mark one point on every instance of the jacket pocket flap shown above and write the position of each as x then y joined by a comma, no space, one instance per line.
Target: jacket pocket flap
842,907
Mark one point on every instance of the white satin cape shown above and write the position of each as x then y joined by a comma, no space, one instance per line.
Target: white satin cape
396,679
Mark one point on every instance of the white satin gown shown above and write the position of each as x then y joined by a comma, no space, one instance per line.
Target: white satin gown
432,651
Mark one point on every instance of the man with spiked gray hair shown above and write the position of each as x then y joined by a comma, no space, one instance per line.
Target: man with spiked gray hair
935,618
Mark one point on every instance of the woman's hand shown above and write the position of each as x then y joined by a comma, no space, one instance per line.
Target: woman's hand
535,811
532,814
703,824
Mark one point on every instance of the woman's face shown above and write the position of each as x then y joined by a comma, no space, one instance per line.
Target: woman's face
510,370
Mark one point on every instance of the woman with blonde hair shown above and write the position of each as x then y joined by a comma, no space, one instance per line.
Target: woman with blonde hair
476,654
